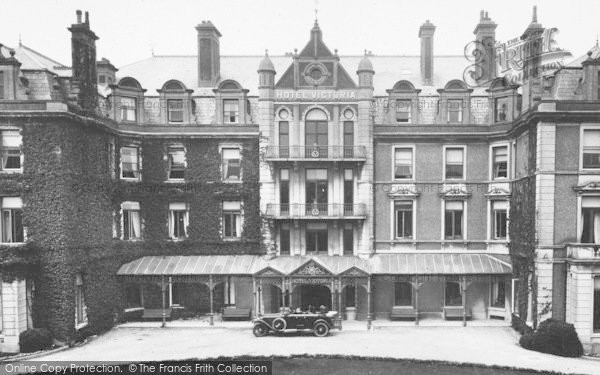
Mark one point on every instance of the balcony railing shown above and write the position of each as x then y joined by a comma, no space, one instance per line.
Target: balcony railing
316,211
358,153
584,251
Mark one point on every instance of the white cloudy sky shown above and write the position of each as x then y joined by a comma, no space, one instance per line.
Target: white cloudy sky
129,29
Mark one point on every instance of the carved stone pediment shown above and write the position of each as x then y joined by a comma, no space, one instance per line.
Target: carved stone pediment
311,268
496,191
589,187
455,191
408,191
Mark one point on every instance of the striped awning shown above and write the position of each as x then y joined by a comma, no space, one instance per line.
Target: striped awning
440,264
380,264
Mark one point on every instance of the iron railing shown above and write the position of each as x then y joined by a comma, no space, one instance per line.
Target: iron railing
316,152
316,210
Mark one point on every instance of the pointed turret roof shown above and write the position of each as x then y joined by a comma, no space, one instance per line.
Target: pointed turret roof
315,46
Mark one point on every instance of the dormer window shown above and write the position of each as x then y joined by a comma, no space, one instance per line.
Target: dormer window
128,109
403,110
500,109
231,111
175,107
128,100
455,109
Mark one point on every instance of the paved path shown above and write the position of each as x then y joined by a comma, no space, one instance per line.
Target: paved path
480,345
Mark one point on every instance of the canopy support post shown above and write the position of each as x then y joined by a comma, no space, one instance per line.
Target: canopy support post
464,299
283,292
163,289
339,295
210,294
369,317
254,294
417,300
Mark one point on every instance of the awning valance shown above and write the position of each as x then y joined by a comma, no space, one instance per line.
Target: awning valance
329,266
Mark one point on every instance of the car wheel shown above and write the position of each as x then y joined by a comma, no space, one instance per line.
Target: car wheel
279,324
260,330
321,329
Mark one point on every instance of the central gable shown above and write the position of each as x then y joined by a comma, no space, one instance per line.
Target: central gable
311,268
315,67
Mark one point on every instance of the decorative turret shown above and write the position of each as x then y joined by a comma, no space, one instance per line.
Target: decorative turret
532,58
365,72
266,72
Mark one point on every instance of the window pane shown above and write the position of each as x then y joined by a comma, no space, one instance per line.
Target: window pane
591,149
176,163
500,109
403,163
500,224
453,296
500,157
284,241
348,241
402,294
128,109
498,293
454,111
230,110
129,162
454,163
231,163
597,304
403,110
175,110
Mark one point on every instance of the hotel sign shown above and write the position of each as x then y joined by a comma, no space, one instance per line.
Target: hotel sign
330,95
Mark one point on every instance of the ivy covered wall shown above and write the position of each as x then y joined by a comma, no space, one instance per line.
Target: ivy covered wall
71,205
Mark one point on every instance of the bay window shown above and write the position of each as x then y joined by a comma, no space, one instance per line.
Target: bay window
178,220
12,220
11,150
232,220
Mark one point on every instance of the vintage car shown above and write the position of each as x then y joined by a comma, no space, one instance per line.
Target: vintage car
319,323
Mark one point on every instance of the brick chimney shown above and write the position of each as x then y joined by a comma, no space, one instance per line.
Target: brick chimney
426,34
83,53
485,35
209,54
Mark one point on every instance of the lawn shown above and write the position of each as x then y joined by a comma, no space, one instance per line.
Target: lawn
351,366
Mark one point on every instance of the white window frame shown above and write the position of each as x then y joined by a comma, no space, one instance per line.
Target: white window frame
508,161
240,215
128,109
579,209
464,174
178,207
139,157
20,147
460,111
396,106
227,147
176,147
581,133
11,203
413,150
123,209
393,221
491,230
464,223
239,107
175,110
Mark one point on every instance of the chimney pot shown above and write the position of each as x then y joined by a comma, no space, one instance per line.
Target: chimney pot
78,13
426,32
87,18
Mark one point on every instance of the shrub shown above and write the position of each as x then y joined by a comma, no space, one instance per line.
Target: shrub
35,339
520,325
554,337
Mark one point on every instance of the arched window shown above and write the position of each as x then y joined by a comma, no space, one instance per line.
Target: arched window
316,134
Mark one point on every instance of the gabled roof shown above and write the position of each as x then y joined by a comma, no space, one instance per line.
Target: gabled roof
154,71
33,60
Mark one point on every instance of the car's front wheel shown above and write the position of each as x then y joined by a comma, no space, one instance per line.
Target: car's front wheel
260,330
321,329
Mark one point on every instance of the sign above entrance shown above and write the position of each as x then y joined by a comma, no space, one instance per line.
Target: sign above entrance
334,95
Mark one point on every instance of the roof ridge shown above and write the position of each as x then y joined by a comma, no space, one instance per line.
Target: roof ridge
42,55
